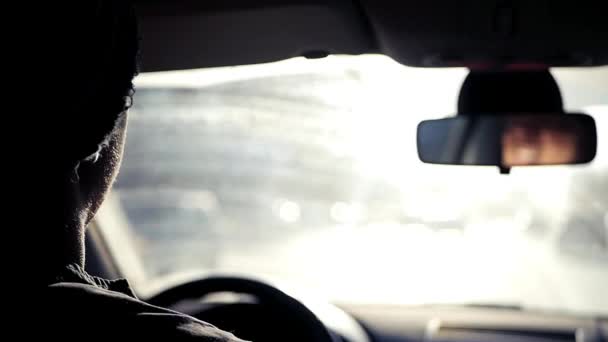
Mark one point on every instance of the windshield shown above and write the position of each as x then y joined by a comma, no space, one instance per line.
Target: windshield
306,172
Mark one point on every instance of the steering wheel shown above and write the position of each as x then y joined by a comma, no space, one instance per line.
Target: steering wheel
293,313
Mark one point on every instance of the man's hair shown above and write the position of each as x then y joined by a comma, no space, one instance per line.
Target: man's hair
93,54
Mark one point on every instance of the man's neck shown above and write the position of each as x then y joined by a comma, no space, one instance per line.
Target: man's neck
60,246
49,234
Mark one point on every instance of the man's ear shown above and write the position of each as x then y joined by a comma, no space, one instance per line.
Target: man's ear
93,135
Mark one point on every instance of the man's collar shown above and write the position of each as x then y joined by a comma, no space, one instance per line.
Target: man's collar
76,274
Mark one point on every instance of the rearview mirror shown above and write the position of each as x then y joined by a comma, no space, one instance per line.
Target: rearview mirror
508,140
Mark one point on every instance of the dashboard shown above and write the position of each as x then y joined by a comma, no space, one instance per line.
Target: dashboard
396,323
474,324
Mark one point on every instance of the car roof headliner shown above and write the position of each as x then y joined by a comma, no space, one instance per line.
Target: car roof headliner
187,34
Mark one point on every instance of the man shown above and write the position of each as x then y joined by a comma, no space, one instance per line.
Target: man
88,50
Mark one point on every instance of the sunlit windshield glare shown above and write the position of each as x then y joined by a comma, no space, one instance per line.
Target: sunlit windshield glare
306,173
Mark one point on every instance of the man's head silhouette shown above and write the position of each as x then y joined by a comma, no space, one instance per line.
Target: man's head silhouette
89,59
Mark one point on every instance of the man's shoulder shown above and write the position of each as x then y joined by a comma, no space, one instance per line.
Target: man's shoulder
180,327
96,309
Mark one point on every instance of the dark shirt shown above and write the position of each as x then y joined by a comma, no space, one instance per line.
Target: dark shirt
83,307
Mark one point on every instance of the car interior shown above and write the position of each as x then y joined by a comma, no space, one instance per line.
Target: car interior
358,170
